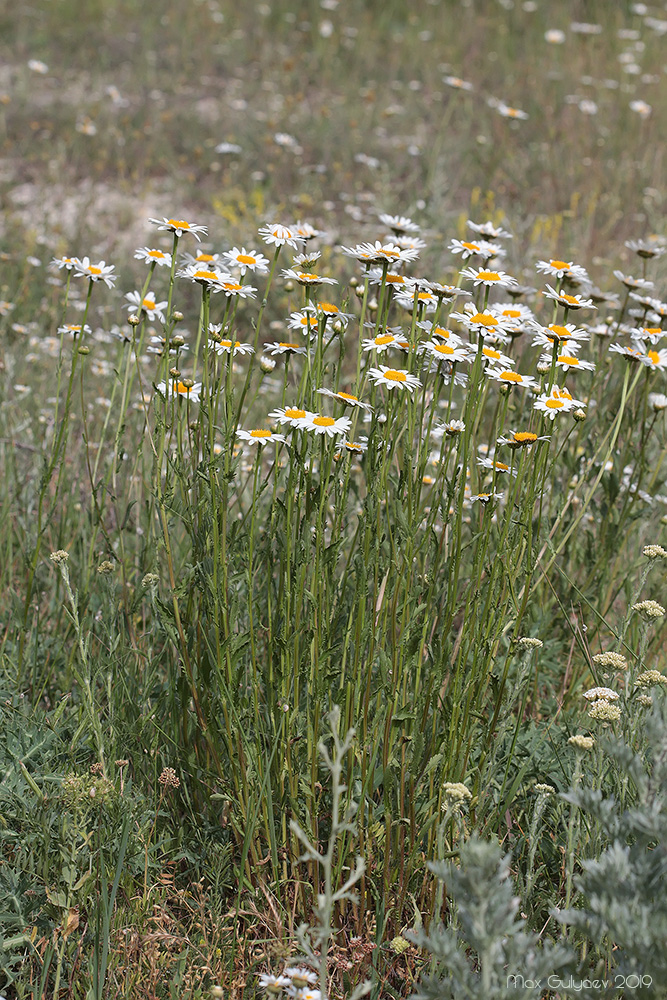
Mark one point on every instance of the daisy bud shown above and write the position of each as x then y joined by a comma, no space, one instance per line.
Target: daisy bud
188,383
133,319
504,388
354,282
543,367
174,372
177,316
359,291
266,364
373,305
177,341
289,286
84,350
579,415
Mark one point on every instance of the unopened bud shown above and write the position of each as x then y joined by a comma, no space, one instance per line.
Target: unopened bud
84,350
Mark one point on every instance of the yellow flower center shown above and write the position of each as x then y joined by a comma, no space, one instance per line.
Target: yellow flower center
206,275
488,276
560,265
443,349
567,360
232,286
183,388
395,279
424,296
244,258
554,404
294,414
94,270
260,434
501,466
510,377
490,353
178,224
156,253
347,395
470,246
394,376
204,258
294,347
511,313
327,307
148,303
524,437
483,319
390,253
572,299
228,343
560,331
324,421
653,356
384,338
652,330
306,276
439,331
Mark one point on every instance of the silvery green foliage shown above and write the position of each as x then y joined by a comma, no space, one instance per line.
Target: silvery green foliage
625,888
484,954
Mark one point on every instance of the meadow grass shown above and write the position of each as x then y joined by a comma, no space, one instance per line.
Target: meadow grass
334,545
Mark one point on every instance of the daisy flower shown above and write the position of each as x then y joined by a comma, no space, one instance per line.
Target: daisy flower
567,361
69,263
246,260
489,230
260,436
180,226
569,301
158,257
512,315
284,347
646,248
75,329
305,321
410,243
511,378
655,359
652,334
556,333
560,268
275,983
493,356
478,322
521,439
306,278
480,248
306,260
346,398
454,427
96,272
399,224
440,332
635,283
422,296
279,236
508,112
496,466
392,278
293,416
381,342
305,231
490,279
231,347
485,498
393,378
379,253
209,260
358,447
629,353
555,402
204,275
445,352
330,426
233,289
148,305
180,389
457,83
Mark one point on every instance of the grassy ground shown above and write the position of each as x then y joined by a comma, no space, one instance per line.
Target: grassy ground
217,599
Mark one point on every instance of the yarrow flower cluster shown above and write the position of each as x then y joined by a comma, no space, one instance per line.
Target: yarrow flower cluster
583,743
649,610
455,794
